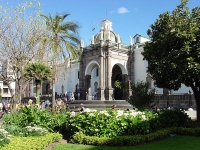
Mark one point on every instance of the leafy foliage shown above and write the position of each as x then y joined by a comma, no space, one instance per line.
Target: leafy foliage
173,54
36,142
142,96
4,137
39,72
62,36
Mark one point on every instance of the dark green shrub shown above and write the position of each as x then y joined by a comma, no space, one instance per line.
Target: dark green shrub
172,118
188,131
191,124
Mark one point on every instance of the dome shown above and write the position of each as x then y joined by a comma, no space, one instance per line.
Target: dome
106,32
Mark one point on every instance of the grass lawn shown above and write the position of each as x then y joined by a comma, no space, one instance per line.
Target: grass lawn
172,143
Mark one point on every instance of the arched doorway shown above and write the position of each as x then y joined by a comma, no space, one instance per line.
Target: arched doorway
117,75
91,77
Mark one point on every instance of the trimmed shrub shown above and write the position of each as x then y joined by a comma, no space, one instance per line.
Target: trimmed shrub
80,138
36,142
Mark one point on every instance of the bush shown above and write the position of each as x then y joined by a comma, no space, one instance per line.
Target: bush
36,142
110,123
4,137
32,116
81,138
172,118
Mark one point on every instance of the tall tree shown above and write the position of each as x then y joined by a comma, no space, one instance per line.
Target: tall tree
21,29
38,72
173,54
63,42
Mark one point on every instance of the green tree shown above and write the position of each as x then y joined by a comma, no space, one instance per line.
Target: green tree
63,40
62,37
173,54
39,72
142,96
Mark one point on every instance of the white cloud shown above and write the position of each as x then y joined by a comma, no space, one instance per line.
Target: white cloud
122,10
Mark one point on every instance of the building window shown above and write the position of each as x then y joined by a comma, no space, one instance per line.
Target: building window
4,83
97,72
78,74
34,89
5,90
137,40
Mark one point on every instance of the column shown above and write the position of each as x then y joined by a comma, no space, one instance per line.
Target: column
109,88
101,89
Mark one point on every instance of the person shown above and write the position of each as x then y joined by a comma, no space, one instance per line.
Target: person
93,96
72,97
113,106
81,108
182,109
67,107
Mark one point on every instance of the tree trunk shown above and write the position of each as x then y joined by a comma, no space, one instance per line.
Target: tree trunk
197,98
53,95
38,85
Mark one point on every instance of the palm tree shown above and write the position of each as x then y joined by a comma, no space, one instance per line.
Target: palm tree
62,36
63,40
39,72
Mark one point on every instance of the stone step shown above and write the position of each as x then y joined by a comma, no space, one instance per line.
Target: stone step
100,105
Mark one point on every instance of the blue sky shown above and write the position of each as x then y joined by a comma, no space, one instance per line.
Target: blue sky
129,17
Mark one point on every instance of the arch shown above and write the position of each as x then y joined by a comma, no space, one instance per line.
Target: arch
123,69
117,75
90,66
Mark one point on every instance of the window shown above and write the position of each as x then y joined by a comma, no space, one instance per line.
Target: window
5,90
34,89
137,40
97,72
4,83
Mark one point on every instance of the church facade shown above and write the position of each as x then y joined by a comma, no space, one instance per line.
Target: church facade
106,60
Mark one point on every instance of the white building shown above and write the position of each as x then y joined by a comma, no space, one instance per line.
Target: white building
92,72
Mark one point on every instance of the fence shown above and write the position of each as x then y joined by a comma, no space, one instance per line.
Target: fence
175,101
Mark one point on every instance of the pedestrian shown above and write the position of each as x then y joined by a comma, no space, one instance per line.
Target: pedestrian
67,107
81,108
113,106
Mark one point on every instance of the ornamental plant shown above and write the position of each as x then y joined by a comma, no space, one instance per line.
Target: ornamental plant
109,123
4,137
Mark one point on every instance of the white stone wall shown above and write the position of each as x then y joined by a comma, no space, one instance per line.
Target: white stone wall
143,39
140,66
94,78
140,73
69,80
